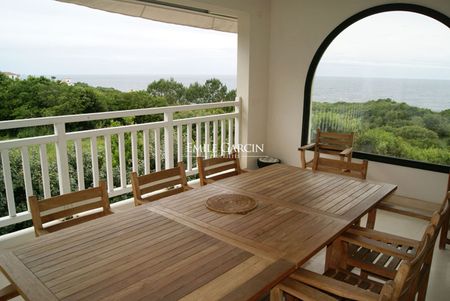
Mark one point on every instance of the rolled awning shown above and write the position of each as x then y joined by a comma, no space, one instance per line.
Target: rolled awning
163,12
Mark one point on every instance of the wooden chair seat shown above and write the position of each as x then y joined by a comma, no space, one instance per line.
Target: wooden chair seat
377,257
157,185
63,211
355,280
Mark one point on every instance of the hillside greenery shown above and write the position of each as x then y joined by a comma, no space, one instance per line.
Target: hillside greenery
389,128
41,97
383,126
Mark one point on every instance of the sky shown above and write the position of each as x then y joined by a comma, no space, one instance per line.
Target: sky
390,44
48,37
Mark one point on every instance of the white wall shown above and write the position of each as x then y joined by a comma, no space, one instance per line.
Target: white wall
277,41
253,62
297,29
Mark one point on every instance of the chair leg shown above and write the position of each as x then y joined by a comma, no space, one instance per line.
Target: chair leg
371,217
276,294
336,255
443,239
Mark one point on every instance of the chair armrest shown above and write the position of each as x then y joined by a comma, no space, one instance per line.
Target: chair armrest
346,152
306,147
385,237
333,286
374,245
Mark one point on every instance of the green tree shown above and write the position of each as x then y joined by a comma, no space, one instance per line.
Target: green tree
172,91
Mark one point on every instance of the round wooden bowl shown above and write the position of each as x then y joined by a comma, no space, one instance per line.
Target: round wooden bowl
231,203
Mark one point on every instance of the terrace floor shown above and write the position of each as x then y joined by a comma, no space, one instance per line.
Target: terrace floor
438,288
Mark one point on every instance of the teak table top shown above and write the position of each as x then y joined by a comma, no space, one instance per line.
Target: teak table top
176,248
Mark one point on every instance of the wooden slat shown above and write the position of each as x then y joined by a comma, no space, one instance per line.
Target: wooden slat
69,198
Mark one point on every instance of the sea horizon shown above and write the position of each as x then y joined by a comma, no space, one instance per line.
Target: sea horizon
431,94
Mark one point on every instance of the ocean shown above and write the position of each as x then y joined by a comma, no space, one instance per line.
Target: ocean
424,93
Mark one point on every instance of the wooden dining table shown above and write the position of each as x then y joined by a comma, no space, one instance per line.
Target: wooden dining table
176,248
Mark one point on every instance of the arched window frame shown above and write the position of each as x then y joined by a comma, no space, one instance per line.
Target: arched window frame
318,56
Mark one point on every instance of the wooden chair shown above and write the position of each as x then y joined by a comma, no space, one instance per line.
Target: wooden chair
415,208
8,292
380,254
65,208
214,169
335,144
351,169
338,283
159,184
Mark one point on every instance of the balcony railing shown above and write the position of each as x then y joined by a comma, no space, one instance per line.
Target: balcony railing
104,151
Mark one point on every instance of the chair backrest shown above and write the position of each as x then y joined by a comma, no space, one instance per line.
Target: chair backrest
68,205
413,275
158,184
444,211
333,143
407,281
352,169
217,168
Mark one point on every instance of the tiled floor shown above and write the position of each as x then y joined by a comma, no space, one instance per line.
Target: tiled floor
439,285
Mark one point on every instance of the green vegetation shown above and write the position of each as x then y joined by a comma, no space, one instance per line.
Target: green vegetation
41,97
382,127
389,128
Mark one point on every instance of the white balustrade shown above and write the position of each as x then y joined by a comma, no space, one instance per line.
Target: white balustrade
107,148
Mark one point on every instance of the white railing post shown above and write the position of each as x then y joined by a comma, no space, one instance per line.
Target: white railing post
8,183
112,152
168,140
61,158
237,109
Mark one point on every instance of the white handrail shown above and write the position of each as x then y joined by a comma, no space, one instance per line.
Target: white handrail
150,144
22,123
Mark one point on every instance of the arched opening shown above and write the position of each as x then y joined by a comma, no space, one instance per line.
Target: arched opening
384,73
